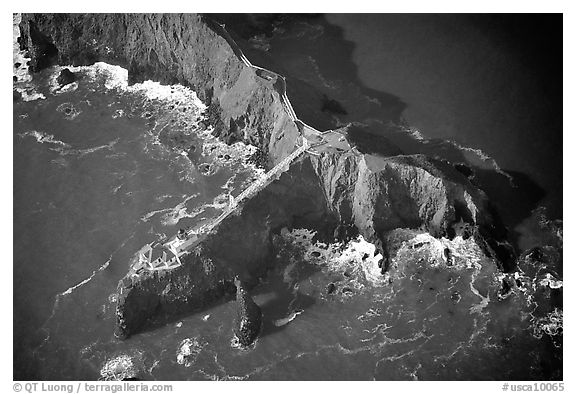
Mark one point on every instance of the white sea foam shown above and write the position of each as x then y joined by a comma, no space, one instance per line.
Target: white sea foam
60,161
325,82
82,283
188,351
174,214
488,161
123,366
168,93
179,212
415,133
551,282
288,319
24,84
356,258
174,98
29,94
113,77
44,138
359,260
466,255
151,214
86,151
71,289
465,252
62,147
68,110
479,158
551,324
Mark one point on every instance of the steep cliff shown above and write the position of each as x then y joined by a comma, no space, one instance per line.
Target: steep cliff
170,48
378,194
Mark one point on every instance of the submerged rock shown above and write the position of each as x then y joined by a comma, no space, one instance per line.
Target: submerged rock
188,351
123,367
331,288
507,287
249,316
449,257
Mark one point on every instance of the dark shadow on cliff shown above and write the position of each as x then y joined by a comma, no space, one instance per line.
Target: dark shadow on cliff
514,202
514,199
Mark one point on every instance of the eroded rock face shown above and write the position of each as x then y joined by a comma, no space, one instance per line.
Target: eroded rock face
170,48
379,194
249,317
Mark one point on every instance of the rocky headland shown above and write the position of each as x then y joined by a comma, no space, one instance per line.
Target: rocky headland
367,187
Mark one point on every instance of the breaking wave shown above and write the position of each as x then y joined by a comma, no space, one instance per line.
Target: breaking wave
44,138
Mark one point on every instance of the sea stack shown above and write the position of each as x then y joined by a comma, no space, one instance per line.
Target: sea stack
249,316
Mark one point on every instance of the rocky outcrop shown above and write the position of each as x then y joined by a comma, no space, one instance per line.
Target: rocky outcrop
334,192
378,194
66,77
249,317
240,245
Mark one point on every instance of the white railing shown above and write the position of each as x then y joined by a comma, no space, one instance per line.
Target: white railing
260,183
242,57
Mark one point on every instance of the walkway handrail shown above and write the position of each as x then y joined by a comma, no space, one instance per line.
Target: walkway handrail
242,57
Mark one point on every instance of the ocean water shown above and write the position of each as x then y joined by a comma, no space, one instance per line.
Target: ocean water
101,168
